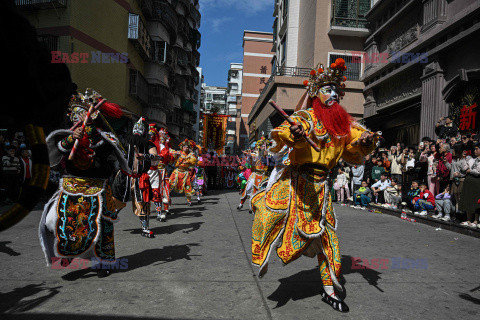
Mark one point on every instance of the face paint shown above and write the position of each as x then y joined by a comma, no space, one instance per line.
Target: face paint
139,129
77,114
327,95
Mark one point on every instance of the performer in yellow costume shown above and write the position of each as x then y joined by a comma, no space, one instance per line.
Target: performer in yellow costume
182,177
259,170
295,215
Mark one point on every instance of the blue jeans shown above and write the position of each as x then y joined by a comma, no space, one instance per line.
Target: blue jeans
423,204
361,199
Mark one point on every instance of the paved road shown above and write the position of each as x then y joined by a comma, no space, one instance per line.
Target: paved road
198,267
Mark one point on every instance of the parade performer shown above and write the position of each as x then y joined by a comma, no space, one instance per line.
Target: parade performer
77,222
199,181
242,178
295,216
140,153
182,177
164,189
259,170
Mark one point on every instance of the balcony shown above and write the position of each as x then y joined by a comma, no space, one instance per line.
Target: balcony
182,57
195,15
137,32
348,18
160,96
163,12
138,86
41,4
147,7
195,38
196,56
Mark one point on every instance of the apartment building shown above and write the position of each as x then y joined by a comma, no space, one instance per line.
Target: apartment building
257,67
428,66
142,55
305,33
234,104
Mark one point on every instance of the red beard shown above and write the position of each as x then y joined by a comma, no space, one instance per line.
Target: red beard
335,119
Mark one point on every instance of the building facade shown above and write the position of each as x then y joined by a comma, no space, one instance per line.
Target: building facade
257,68
234,104
306,33
427,66
142,55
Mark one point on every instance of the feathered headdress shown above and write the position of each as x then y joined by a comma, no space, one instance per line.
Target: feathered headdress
333,75
189,143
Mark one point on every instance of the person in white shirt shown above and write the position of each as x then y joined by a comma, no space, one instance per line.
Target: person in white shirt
380,186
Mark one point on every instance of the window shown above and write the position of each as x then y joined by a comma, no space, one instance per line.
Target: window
283,49
159,51
354,69
285,8
49,42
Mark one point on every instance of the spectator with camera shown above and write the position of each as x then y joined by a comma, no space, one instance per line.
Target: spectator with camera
469,201
445,128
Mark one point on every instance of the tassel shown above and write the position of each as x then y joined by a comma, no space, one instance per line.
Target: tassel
111,110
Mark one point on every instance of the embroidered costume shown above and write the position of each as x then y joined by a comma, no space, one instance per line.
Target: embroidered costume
78,220
140,153
295,216
182,177
258,176
162,201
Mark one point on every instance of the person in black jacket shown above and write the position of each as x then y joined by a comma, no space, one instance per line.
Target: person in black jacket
446,130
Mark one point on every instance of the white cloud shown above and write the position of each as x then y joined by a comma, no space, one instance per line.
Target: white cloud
248,6
217,23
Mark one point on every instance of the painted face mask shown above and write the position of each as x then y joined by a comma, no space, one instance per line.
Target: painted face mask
77,114
328,95
139,128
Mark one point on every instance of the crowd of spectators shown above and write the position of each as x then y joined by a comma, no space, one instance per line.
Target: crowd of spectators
15,167
438,177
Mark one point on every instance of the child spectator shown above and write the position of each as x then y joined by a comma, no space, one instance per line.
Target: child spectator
412,194
393,194
443,204
341,185
377,171
379,188
362,196
425,200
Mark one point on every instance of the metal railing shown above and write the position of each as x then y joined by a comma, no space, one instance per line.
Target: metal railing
138,86
163,12
41,4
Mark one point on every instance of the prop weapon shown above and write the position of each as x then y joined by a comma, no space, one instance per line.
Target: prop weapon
293,123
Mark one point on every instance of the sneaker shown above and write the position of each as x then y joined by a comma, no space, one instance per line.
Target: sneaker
437,216
446,218
363,208
240,206
423,213
465,223
416,213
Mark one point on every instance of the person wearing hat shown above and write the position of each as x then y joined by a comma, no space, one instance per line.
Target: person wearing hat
182,177
295,216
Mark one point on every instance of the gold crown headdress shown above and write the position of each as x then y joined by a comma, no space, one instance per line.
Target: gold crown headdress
80,102
190,143
163,134
332,75
261,143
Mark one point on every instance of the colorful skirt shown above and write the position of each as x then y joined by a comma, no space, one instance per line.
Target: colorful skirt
77,222
254,184
181,181
295,216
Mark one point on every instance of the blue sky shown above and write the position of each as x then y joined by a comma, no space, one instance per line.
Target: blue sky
222,25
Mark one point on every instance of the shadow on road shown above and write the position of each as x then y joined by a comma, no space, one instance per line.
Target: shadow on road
308,283
15,301
7,250
143,259
468,297
187,228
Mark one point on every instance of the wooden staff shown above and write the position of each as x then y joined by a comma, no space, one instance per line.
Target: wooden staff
293,123
89,113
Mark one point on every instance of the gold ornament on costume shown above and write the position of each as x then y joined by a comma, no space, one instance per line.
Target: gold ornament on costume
321,76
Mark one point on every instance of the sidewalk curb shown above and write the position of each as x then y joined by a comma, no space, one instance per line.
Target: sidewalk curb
430,221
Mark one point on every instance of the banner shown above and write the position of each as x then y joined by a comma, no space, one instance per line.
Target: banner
214,132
